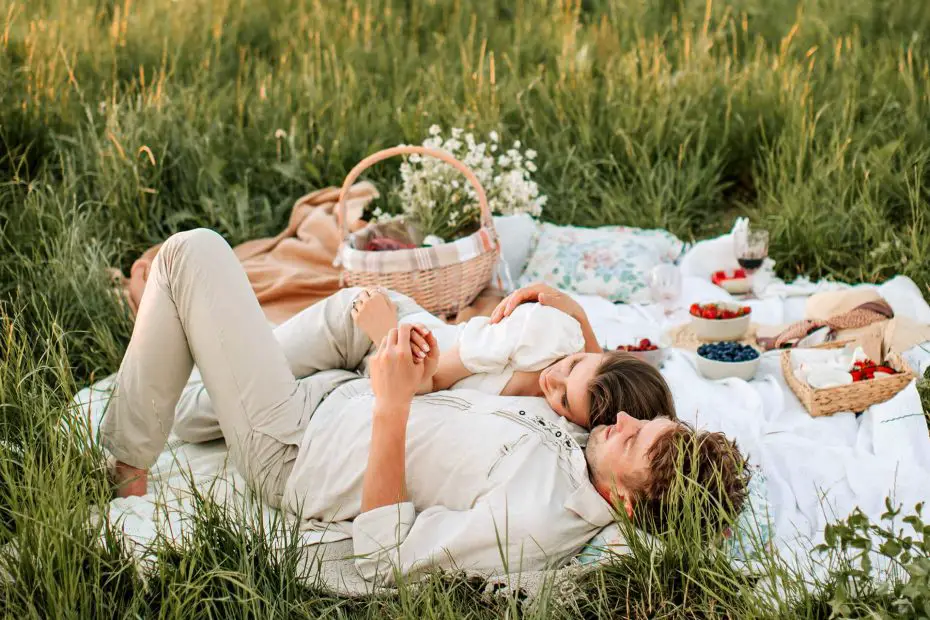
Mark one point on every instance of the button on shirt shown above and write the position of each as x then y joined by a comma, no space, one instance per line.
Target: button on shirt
488,477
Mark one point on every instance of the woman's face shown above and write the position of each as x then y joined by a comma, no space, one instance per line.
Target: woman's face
564,385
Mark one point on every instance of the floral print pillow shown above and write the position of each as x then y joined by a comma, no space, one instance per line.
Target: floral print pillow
612,261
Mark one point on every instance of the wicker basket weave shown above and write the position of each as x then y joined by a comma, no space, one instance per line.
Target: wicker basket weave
442,279
857,396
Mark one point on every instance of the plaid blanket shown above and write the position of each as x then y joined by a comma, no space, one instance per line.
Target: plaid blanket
416,259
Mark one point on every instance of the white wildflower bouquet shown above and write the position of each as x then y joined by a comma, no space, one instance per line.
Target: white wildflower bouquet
440,203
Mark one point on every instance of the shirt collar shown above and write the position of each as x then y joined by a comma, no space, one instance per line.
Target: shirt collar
585,501
588,504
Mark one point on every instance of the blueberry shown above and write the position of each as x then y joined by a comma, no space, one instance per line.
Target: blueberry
727,352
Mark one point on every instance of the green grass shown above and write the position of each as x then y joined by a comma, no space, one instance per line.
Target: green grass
124,121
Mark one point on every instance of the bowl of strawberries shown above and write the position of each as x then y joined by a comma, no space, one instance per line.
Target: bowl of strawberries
646,350
720,321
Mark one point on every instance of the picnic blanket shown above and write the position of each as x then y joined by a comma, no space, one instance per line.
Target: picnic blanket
814,470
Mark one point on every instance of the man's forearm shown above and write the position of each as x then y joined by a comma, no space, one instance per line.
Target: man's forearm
385,478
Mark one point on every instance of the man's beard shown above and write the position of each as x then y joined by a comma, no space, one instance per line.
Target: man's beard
592,450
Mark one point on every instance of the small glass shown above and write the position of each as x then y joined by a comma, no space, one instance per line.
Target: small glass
665,285
752,248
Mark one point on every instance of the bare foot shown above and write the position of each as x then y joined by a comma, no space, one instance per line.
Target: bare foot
130,481
375,313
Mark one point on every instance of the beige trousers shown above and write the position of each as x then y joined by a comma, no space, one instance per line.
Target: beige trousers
258,386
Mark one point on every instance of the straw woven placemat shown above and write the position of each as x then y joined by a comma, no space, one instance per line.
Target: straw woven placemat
683,337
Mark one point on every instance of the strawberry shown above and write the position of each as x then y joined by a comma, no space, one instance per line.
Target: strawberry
643,345
696,309
739,274
857,375
709,312
728,314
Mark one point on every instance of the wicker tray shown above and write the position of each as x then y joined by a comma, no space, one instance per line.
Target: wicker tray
684,337
857,396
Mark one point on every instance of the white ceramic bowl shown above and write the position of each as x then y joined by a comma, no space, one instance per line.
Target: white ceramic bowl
714,370
716,330
736,286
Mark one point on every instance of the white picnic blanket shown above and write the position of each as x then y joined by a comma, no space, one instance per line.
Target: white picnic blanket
816,469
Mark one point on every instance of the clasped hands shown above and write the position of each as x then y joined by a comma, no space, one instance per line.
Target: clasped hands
406,358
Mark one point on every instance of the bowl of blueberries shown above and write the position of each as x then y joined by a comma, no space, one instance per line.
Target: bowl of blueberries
719,360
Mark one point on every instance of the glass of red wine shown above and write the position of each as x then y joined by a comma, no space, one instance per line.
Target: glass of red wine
752,247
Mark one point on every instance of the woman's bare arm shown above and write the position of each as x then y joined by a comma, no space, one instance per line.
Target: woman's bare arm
548,296
451,370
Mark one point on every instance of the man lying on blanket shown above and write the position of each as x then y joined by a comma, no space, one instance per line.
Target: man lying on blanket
450,479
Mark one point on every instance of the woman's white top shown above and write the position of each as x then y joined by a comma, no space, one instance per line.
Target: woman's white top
530,339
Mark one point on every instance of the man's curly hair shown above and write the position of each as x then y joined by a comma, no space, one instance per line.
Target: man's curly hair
709,463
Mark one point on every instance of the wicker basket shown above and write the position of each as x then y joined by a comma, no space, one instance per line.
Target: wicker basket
857,396
443,279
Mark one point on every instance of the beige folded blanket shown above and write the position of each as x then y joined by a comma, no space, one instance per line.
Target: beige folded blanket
290,271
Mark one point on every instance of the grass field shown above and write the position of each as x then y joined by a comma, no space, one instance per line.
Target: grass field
122,121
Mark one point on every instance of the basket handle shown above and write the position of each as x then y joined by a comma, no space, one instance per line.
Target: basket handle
486,219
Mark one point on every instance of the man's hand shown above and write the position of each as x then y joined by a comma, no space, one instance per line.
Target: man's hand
395,375
542,293
395,378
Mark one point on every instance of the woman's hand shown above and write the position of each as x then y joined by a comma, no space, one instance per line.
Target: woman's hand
395,374
541,293
548,296
425,351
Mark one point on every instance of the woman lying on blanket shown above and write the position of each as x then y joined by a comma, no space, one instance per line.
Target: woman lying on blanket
537,342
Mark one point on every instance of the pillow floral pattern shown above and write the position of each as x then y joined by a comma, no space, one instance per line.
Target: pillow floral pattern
612,261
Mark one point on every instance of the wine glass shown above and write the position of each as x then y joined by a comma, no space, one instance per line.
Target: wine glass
665,285
752,247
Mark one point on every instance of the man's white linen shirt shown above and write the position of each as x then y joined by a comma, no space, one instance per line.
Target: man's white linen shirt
495,484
